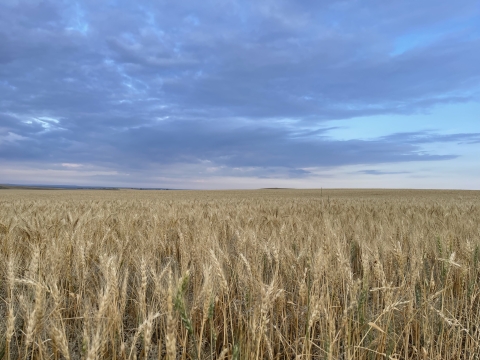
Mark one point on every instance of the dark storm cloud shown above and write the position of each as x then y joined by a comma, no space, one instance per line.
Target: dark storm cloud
239,84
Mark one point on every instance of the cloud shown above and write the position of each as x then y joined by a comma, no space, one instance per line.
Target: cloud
68,165
242,85
259,150
425,137
379,172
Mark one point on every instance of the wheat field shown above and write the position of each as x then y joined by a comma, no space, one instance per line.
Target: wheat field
266,274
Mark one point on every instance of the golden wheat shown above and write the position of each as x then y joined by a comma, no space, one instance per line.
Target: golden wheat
272,274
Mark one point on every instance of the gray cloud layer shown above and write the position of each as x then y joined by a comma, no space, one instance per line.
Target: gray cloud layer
250,85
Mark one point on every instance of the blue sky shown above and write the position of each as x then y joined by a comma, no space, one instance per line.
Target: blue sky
240,94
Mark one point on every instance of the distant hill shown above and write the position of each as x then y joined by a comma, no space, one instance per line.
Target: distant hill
54,187
69,187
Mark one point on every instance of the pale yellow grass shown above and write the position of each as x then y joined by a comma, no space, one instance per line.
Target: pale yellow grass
270,274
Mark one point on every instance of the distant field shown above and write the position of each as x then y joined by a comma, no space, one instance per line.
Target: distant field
259,274
40,193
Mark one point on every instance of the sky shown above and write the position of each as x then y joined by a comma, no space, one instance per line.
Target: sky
226,94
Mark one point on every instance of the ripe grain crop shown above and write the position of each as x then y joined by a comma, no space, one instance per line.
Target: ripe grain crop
272,274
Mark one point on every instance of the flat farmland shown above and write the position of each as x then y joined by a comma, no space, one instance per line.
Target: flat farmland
258,274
